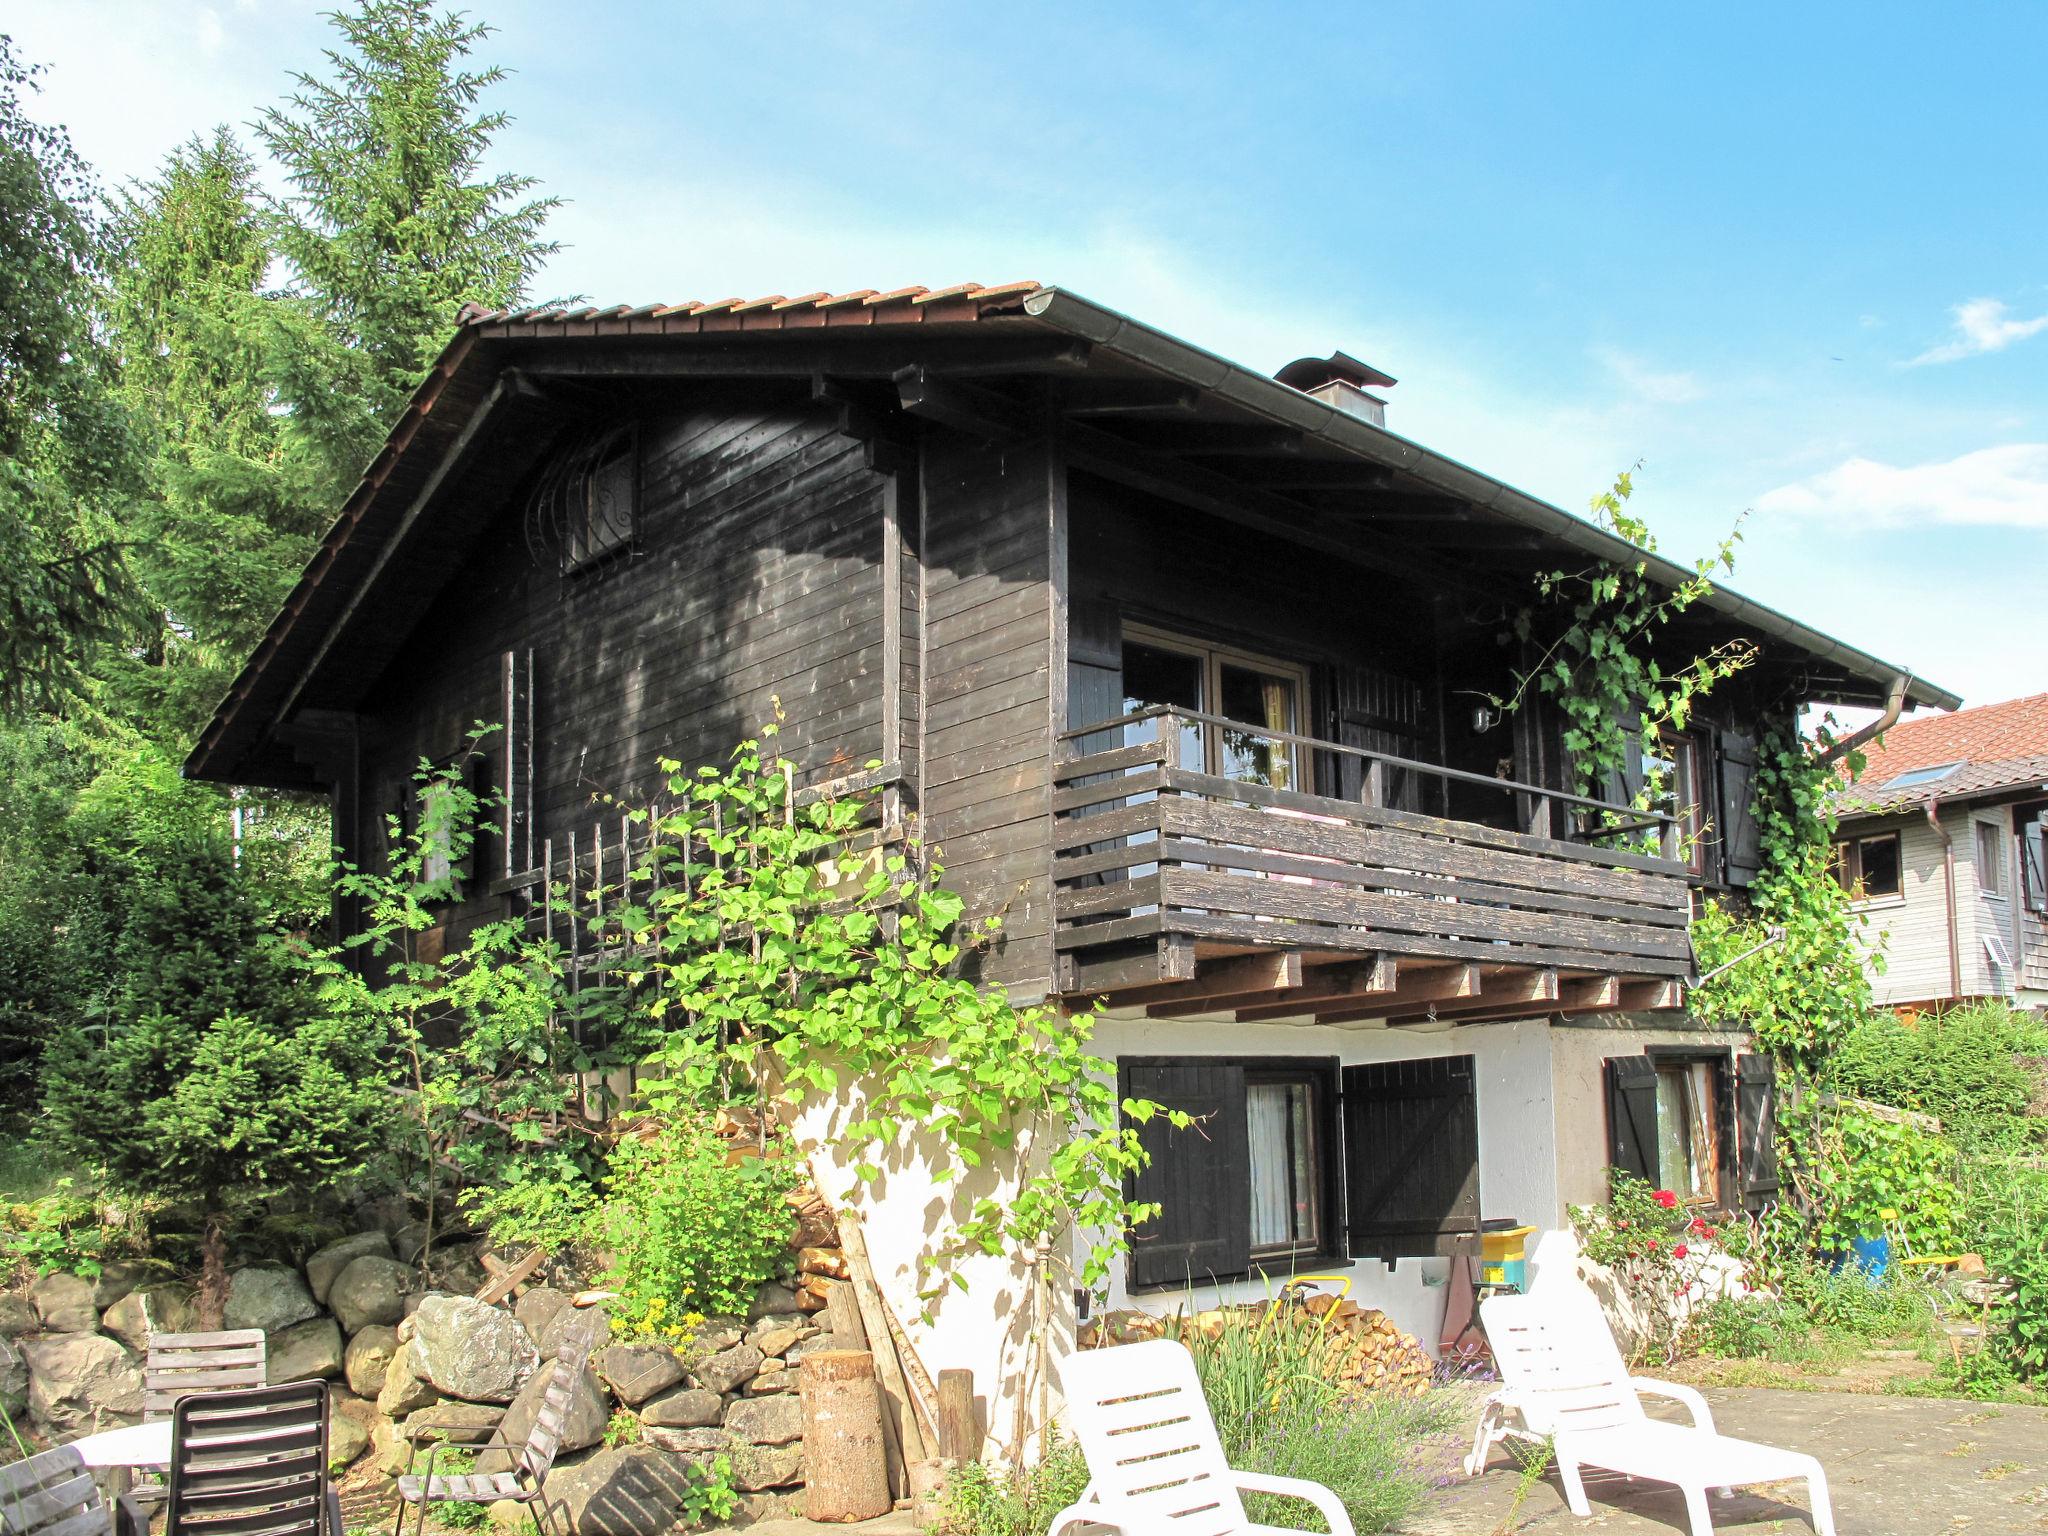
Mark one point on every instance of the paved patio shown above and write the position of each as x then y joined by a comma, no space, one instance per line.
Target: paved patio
1899,1466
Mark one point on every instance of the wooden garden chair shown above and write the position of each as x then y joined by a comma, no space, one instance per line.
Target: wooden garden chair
252,1462
53,1494
524,1474
1565,1381
179,1364
1155,1461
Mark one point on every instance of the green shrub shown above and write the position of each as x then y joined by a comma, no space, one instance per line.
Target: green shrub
1740,1328
981,1500
692,1229
1968,1066
60,1230
2008,1203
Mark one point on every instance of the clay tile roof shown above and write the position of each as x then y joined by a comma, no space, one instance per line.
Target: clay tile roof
1993,747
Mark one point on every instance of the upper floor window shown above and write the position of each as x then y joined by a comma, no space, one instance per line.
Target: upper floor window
1990,858
586,504
1254,693
1869,867
1673,765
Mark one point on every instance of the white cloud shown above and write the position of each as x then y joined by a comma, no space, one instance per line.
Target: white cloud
210,32
1655,386
2005,486
1982,325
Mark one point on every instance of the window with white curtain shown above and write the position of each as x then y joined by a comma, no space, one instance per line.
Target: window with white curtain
1281,1117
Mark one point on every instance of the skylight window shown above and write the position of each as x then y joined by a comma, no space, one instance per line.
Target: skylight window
1923,775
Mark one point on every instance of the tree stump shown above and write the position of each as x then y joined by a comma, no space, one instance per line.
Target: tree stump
846,1470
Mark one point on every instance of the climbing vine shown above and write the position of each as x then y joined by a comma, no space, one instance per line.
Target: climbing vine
776,943
1595,631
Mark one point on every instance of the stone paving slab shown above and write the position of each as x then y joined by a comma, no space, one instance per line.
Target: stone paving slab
1898,1466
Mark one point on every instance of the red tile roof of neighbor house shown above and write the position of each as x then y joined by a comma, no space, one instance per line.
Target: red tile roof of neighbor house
1991,747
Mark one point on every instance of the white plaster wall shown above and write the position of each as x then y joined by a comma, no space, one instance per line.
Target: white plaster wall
1517,1139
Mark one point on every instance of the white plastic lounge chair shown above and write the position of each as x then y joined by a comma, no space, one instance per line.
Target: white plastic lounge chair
1155,1462
1564,1379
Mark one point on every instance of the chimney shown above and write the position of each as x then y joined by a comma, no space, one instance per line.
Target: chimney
1342,381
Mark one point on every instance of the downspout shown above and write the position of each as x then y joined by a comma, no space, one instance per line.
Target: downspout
1894,701
1948,869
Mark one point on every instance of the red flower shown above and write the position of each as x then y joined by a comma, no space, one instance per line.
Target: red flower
1679,1252
1665,1198
1700,1227
1654,1243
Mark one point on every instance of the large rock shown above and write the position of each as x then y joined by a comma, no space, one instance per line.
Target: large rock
17,1315
636,1372
349,1422
64,1304
115,1280
589,1328
469,1350
777,1342
758,1467
330,1261
403,1391
466,1423
82,1381
13,1378
770,1299
308,1351
686,1408
628,1491
368,1359
583,1423
370,1288
148,1309
766,1421
540,1306
268,1298
705,1441
729,1369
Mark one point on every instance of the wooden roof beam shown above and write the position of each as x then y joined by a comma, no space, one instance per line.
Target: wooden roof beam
1112,397
1213,439
1651,996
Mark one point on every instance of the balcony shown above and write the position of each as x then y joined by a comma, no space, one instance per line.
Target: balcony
1191,893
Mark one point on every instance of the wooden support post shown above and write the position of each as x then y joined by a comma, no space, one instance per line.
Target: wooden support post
846,1462
897,1409
960,1431
843,1311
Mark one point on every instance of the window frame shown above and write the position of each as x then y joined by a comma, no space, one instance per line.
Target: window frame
578,552
1848,860
1213,657
1687,752
1320,1080
1675,1059
1989,838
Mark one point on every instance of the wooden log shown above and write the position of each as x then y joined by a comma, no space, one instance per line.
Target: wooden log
896,1406
960,1432
846,1461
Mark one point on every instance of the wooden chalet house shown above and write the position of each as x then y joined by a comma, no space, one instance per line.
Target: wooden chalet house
1184,667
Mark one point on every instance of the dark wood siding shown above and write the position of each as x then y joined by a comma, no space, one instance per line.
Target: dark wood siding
988,701
756,584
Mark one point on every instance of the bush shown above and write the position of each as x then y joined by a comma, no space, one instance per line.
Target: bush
1283,1409
1968,1066
1656,1251
691,1228
981,1500
2008,1205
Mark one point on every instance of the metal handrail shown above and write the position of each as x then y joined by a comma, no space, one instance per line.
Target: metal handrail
1665,823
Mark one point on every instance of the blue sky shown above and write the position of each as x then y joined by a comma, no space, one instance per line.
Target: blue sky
1792,259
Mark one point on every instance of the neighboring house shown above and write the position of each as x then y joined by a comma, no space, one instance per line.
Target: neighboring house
1941,844
1186,669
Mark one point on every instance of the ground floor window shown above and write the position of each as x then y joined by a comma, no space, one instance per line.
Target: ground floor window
1689,1129
1288,1167
1699,1123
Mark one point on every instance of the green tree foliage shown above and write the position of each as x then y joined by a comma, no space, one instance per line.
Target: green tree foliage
392,223
68,464
1976,1068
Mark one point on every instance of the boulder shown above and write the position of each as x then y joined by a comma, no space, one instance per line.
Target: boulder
268,1298
115,1280
705,1441
369,1289
469,1350
777,1342
766,1421
729,1369
82,1381
148,1309
308,1351
472,1421
17,1315
63,1303
402,1391
684,1408
759,1467
393,1451
408,1241
583,1421
771,1321
627,1491
772,1298
13,1378
330,1261
773,1378
636,1372
348,1429
816,1344
538,1308
591,1327
717,1333
368,1358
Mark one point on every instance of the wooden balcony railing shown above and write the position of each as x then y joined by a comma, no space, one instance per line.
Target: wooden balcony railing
1147,849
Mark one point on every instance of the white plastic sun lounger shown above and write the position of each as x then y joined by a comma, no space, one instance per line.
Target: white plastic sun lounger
1564,1379
1155,1461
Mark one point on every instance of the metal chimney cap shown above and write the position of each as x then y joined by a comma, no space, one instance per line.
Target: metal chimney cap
1309,373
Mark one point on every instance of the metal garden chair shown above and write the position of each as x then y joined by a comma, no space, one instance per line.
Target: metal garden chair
252,1463
524,1474
53,1494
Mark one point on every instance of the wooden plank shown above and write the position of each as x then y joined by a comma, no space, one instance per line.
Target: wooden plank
1164,959
1220,986
1590,994
1651,996
1441,985
1514,992
1349,983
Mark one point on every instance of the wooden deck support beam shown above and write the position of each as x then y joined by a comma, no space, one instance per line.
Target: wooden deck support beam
1444,984
1651,996
1220,984
1508,993
1350,983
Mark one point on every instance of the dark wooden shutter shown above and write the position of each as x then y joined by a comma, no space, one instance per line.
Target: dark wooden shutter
1756,1131
1411,1156
1741,857
1632,1116
2034,867
1200,1176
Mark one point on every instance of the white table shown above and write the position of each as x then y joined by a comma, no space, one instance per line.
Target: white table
138,1445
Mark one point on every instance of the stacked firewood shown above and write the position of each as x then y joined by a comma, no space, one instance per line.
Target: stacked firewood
819,1259
1367,1348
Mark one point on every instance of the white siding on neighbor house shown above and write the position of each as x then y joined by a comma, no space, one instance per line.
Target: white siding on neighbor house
1911,929
1989,945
